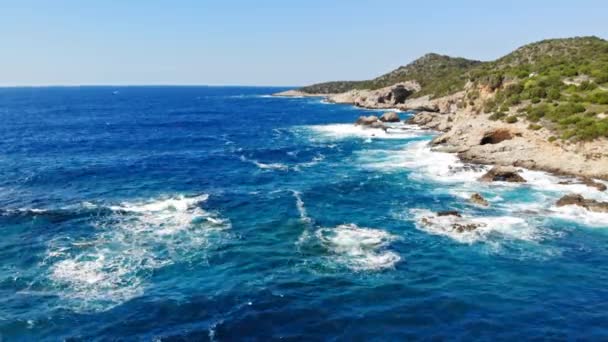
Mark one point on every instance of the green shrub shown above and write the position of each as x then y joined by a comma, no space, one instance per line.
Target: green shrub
587,86
511,119
599,97
552,138
535,127
554,94
497,116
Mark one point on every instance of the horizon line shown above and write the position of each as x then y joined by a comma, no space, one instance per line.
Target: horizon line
145,85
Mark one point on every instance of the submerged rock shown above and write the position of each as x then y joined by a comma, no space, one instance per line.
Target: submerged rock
479,200
503,174
390,117
578,200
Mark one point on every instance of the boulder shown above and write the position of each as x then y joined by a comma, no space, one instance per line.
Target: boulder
479,200
390,117
366,120
503,174
578,200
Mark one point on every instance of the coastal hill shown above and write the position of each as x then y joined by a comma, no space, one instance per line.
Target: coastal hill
551,96
436,74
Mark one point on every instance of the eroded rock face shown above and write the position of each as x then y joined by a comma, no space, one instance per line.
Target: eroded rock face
578,200
503,174
390,117
479,200
399,94
496,137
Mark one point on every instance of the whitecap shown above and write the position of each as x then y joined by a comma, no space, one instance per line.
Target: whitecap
360,249
342,131
114,264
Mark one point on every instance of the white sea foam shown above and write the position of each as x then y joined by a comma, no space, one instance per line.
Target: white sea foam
418,157
266,166
488,228
360,249
342,131
301,208
582,215
546,182
314,161
113,265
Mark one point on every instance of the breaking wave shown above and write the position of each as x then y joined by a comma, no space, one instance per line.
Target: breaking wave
113,265
360,249
418,157
343,131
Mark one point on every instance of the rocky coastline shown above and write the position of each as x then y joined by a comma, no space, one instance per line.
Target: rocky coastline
475,138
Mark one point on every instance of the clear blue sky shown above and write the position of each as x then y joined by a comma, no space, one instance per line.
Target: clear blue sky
259,42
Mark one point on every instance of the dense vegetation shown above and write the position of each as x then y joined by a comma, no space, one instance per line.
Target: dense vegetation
559,84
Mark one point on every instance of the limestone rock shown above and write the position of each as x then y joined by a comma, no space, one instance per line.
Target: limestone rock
390,117
578,200
366,120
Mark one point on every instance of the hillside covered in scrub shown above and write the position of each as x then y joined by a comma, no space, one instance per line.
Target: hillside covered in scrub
558,84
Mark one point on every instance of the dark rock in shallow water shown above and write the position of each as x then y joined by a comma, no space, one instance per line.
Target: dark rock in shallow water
448,213
461,228
478,199
578,200
588,182
503,174
390,117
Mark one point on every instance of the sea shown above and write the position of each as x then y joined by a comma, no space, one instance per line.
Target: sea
222,213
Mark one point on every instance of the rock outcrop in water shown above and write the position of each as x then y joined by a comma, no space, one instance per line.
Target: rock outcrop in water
578,200
479,200
367,120
451,220
503,174
390,117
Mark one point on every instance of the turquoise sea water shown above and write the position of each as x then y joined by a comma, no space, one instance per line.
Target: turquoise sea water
200,213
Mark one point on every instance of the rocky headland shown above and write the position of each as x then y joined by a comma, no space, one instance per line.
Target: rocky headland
524,110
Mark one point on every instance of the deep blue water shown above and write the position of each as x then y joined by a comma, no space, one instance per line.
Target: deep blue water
200,213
